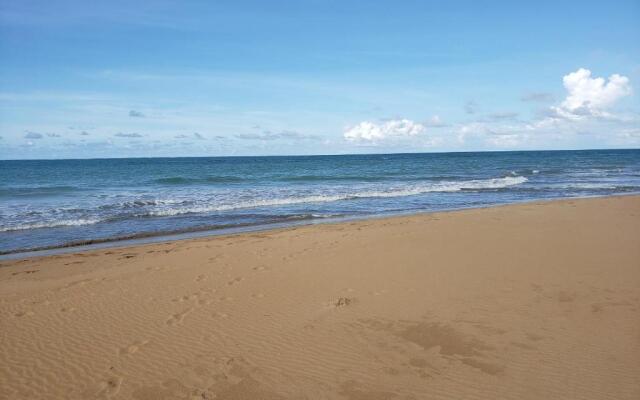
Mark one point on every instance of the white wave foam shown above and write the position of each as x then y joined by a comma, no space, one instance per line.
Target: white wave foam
495,183
50,224
579,185
168,207
245,204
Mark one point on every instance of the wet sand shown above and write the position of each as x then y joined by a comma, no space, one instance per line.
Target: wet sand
529,301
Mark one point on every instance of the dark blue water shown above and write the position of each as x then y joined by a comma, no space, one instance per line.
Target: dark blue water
46,204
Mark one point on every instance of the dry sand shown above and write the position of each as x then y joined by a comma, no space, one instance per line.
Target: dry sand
531,301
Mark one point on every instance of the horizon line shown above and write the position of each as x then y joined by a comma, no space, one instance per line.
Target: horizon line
324,155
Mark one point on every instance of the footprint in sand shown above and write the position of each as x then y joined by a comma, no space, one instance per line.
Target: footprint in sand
184,298
200,278
177,318
234,281
110,387
343,302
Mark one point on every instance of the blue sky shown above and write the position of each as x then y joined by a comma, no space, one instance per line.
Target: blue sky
210,78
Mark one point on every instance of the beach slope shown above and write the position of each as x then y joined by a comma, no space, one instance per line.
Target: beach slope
528,301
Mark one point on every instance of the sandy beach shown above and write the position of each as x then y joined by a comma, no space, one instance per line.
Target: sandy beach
529,301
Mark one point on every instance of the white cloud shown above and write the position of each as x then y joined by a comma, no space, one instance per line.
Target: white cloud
591,96
367,131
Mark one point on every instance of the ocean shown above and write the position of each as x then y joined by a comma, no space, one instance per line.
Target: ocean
48,204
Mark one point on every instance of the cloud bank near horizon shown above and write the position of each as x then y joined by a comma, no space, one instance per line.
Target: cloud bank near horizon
588,101
588,108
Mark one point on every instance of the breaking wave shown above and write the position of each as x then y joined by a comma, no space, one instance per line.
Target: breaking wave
146,208
480,184
51,224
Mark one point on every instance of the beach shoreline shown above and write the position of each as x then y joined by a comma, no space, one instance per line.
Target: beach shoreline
530,300
123,243
185,197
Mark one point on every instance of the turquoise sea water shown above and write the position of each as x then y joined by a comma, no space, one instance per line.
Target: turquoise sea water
48,204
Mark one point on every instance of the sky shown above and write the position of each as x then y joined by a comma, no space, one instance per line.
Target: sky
92,79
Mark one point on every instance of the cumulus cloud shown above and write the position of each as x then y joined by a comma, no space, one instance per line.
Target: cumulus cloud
136,114
268,135
367,131
587,96
128,135
53,135
33,135
584,115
